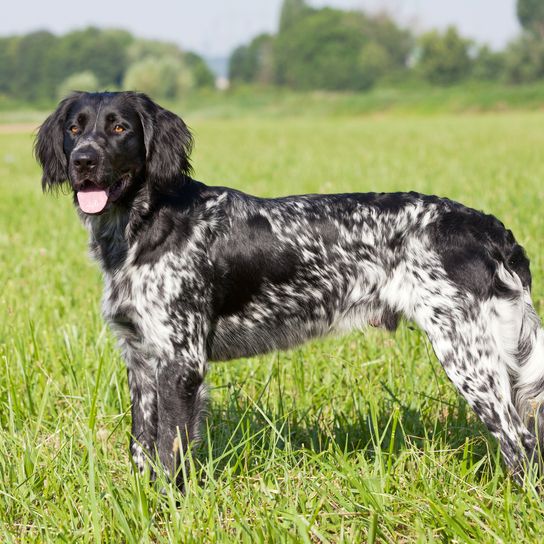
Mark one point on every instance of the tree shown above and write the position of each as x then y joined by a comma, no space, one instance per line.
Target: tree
374,62
103,52
31,66
324,49
321,52
524,59
531,16
161,77
8,63
444,57
202,75
488,65
253,62
339,50
292,12
241,65
141,48
82,81
33,78
397,42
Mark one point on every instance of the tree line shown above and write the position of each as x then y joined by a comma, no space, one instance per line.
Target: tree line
332,49
41,66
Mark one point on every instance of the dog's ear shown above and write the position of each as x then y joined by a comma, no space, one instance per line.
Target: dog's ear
48,147
168,143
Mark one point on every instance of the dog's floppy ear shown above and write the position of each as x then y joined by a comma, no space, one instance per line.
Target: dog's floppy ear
168,143
48,147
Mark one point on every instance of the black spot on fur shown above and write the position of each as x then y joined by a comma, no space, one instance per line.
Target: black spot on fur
166,231
471,246
251,256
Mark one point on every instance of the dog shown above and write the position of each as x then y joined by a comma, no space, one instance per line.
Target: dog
194,274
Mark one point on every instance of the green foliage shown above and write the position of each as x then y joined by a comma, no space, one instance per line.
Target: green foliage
292,12
334,50
396,41
103,52
488,65
141,48
253,62
414,98
324,49
201,73
181,71
241,65
444,57
33,66
160,77
82,81
7,64
322,52
531,16
374,62
28,66
524,59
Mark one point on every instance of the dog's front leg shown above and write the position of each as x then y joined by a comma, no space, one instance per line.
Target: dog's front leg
143,394
181,395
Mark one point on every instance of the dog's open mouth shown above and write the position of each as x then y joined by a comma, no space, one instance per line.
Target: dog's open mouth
94,199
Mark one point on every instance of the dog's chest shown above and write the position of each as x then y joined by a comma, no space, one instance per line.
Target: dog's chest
137,302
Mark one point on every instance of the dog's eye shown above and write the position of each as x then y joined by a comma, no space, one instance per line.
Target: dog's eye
118,129
74,129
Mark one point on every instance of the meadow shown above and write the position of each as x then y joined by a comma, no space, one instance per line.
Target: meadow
353,439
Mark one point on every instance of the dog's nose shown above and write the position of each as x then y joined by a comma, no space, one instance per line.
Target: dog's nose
85,159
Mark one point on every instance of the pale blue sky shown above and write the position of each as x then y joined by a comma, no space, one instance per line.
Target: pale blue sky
215,27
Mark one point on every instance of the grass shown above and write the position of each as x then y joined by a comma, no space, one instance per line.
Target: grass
407,98
359,439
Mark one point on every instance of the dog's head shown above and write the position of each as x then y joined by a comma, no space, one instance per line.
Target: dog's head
108,145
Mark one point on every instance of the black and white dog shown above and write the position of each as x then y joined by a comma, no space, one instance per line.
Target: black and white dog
195,273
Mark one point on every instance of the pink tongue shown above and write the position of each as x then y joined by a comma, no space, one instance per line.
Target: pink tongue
92,201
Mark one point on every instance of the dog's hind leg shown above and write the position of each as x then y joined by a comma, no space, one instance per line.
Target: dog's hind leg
473,362
476,341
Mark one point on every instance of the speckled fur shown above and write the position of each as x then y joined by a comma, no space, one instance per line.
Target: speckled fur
195,274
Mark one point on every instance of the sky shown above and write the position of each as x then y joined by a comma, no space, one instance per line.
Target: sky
215,27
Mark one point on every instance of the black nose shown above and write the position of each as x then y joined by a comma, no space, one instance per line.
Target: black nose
85,159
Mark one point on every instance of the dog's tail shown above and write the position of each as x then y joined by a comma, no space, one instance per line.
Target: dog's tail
529,374
528,371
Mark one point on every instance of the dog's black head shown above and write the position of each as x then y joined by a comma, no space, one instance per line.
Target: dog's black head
108,145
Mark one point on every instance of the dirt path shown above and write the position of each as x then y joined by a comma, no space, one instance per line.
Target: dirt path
18,128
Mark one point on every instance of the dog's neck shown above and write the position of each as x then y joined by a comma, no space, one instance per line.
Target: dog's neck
111,234
108,239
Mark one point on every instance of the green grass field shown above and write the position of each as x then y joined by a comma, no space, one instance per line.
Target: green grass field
358,439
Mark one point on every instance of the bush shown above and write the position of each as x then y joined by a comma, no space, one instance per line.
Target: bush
324,49
253,62
31,66
162,78
203,77
488,65
531,16
374,62
102,51
82,81
444,57
322,52
524,60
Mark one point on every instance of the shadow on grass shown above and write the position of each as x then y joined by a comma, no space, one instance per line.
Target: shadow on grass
247,429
